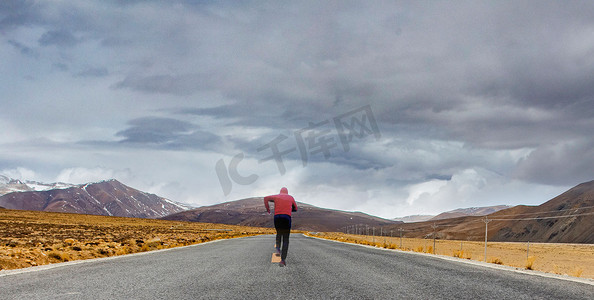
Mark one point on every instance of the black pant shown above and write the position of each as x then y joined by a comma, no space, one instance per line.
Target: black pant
282,223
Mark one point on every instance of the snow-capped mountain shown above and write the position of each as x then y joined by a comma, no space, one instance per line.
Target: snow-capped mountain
108,198
456,213
471,211
414,218
9,185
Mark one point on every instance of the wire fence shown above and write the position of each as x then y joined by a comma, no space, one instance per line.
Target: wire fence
575,260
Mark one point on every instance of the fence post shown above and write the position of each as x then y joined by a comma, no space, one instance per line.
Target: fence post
486,220
434,228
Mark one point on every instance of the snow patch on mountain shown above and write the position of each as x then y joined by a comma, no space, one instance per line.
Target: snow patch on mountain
106,197
10,185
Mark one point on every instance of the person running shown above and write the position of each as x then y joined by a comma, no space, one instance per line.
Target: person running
284,204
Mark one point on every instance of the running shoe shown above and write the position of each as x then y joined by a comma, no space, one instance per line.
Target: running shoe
282,263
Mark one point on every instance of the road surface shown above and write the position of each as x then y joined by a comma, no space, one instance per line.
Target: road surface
316,269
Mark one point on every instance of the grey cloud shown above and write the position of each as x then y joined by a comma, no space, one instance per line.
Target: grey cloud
93,72
15,13
167,133
25,50
291,123
166,84
154,130
198,139
61,66
562,163
270,113
62,38
495,79
114,42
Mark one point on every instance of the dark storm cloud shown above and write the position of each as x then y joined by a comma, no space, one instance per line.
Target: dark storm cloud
14,13
154,130
59,38
167,133
270,114
478,79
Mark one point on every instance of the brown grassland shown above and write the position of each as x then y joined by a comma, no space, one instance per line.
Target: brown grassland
31,238
564,259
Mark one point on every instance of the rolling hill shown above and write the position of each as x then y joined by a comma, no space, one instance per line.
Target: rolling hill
106,198
251,212
567,218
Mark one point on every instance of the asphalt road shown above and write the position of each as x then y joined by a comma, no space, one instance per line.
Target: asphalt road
316,269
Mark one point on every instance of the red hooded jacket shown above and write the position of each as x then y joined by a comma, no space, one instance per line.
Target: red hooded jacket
284,203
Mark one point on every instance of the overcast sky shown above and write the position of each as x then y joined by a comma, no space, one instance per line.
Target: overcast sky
391,108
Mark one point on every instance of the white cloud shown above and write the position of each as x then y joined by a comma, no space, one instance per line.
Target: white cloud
424,190
81,175
19,173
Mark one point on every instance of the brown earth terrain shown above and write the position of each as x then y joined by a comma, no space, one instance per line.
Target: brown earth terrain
251,212
567,218
564,259
31,238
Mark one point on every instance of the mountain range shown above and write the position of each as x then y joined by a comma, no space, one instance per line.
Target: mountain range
107,198
456,213
567,218
112,198
471,211
414,218
251,212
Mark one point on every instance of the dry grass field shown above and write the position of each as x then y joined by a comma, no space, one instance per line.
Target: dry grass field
31,238
565,259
